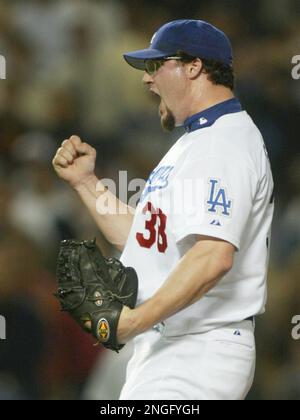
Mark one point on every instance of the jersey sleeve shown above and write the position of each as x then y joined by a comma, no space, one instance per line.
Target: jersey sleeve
214,196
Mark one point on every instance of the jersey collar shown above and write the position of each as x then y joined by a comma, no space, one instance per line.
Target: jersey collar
209,116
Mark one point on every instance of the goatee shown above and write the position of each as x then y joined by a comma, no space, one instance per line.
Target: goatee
168,121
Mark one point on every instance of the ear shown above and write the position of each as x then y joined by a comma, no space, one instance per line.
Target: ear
194,69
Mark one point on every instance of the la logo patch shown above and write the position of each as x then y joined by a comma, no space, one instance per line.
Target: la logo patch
218,200
103,330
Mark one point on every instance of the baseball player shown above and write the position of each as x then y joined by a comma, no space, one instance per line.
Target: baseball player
199,239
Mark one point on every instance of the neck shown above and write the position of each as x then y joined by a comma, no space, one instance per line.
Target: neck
202,101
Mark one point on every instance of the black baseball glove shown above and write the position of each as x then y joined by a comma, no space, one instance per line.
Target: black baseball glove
93,288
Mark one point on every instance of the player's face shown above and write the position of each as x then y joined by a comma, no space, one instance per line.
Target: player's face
166,79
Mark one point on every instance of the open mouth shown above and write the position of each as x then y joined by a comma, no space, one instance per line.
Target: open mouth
156,97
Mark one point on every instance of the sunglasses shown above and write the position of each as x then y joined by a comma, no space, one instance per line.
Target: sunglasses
152,66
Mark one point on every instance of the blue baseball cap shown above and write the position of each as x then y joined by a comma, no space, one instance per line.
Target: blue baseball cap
194,37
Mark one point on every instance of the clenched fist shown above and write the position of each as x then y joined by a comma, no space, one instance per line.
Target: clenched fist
74,161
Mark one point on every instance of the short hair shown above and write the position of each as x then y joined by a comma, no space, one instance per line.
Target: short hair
218,73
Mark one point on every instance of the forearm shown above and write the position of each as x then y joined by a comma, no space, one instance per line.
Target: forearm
113,217
194,276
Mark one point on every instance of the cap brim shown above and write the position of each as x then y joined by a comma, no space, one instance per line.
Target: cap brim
137,59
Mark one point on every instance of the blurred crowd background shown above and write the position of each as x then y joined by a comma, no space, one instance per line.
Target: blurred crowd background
66,75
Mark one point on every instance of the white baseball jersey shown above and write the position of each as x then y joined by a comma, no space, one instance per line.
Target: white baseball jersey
215,181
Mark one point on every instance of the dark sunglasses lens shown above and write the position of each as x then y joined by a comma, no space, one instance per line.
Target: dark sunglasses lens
151,66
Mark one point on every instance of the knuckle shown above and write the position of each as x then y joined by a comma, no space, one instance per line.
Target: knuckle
67,144
75,139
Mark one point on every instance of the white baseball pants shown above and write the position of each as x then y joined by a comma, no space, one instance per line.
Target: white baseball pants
217,365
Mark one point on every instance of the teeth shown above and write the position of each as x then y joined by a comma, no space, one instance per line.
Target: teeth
154,93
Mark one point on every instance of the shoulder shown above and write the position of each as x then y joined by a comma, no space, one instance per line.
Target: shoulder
237,136
234,139
238,129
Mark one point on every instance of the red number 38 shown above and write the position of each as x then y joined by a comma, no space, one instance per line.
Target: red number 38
156,226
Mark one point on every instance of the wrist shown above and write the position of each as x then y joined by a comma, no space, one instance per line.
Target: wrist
128,326
89,182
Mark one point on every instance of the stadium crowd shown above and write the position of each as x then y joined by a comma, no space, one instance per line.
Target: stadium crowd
66,75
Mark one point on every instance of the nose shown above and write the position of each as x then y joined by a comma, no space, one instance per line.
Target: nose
147,79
